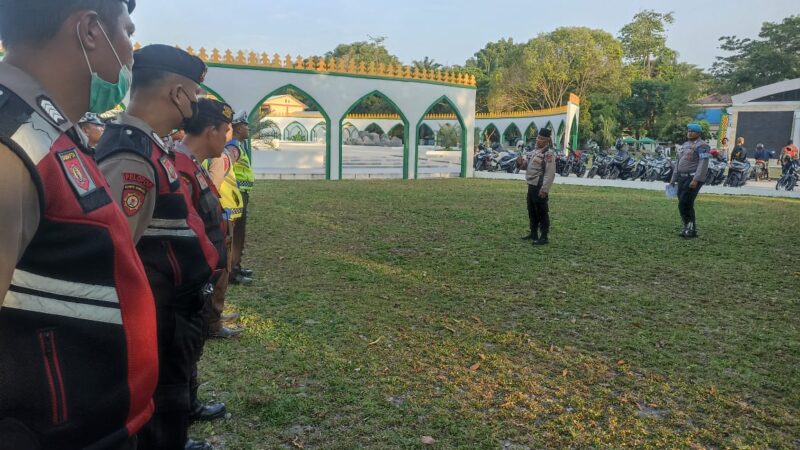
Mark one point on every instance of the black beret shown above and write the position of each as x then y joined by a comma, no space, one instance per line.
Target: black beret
131,5
545,132
215,110
169,59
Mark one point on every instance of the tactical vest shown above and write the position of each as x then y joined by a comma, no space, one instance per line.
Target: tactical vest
243,169
78,355
205,199
175,250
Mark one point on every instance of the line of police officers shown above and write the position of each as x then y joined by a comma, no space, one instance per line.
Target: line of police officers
110,255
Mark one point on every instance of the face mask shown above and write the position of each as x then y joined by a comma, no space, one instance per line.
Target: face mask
104,95
189,121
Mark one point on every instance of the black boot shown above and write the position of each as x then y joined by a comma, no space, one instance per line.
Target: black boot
542,240
197,445
207,411
691,231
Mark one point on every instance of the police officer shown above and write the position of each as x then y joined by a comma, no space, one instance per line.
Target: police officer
78,359
540,175
244,179
205,138
689,176
92,127
171,238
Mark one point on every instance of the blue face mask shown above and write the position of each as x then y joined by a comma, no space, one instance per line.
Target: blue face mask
103,94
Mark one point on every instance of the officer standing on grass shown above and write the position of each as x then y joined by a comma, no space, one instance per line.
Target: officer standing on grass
540,175
690,176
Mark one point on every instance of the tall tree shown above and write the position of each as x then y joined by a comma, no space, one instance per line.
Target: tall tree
485,64
369,51
645,43
775,56
551,66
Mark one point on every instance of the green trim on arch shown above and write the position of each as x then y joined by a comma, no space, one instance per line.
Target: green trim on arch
505,133
254,114
335,74
213,92
464,136
380,94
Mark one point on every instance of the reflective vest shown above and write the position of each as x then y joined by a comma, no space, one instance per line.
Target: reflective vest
205,199
78,354
176,253
243,169
230,196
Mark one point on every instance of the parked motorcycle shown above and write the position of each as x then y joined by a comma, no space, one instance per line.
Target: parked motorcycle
738,173
483,159
622,166
506,161
641,167
600,164
761,170
788,181
716,170
660,170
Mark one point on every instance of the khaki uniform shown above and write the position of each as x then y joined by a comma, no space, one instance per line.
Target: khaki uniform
540,175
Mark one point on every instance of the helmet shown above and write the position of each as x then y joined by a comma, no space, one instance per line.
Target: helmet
714,152
240,117
760,146
619,144
92,119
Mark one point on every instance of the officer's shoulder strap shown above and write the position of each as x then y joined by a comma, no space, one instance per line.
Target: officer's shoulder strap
14,112
123,138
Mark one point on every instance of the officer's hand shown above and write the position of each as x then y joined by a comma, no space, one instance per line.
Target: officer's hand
693,184
542,194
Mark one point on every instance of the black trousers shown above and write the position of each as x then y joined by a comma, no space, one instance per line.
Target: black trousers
180,339
239,236
538,211
686,197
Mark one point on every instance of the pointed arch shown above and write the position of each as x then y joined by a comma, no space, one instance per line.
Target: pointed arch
402,117
461,123
491,133
531,132
319,131
271,130
349,131
559,140
374,126
574,132
393,132
511,131
295,131
254,116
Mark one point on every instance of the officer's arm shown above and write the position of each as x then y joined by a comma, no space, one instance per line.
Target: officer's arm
216,168
704,154
132,182
549,172
19,214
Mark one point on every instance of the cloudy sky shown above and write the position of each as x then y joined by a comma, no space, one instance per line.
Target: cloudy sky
449,31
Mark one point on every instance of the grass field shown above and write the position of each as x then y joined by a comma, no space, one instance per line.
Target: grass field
387,313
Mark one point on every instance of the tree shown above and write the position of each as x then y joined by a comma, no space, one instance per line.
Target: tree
486,62
367,52
427,64
449,136
772,58
645,43
551,66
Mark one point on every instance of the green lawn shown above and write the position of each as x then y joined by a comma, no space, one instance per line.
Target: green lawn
388,311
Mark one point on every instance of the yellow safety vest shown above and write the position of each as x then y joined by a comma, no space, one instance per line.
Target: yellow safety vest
244,171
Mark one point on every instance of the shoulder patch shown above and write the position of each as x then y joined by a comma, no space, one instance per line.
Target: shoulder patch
139,179
201,180
132,199
548,157
76,172
172,174
51,110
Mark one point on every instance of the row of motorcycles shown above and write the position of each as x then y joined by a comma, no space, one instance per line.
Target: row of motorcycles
622,166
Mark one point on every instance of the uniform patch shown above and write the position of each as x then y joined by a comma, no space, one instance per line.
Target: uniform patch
139,179
132,199
201,180
51,110
172,174
549,157
76,172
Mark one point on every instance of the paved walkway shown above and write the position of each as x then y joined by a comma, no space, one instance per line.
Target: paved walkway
762,188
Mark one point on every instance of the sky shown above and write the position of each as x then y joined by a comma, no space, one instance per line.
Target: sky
449,31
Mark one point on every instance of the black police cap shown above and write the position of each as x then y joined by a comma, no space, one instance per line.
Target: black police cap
169,59
215,110
131,5
545,132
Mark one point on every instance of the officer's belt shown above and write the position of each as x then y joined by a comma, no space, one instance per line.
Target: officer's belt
686,174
